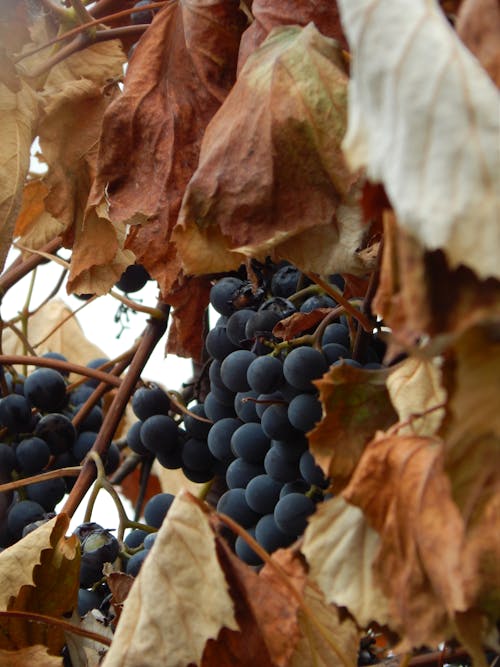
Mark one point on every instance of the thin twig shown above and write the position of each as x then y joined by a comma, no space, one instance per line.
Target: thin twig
58,623
20,269
152,334
72,471
57,364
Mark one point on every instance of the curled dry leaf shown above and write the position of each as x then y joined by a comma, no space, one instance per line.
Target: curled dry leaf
268,14
419,294
266,612
181,71
19,111
35,226
423,120
179,599
271,178
340,548
47,584
32,656
472,447
355,404
478,26
419,565
415,387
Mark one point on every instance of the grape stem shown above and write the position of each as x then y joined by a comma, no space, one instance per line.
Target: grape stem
72,471
21,268
152,334
57,364
58,623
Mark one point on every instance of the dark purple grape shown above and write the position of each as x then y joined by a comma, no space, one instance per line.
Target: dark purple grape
284,282
7,461
265,374
262,493
269,536
134,441
46,389
218,344
245,552
135,538
334,351
311,471
215,410
250,442
291,513
317,301
149,401
135,276
304,412
58,357
196,456
234,504
196,428
235,327
156,509
275,423
21,514
88,600
48,493
219,438
303,365
135,562
33,455
240,472
245,407
234,370
57,431
159,433
224,293
15,413
336,333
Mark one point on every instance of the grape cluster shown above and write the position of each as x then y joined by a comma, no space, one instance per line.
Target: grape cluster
38,435
263,401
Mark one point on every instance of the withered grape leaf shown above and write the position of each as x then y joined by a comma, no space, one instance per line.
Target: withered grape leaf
414,387
268,14
31,656
181,71
19,112
179,599
340,548
42,576
356,404
436,153
35,226
398,484
478,26
271,178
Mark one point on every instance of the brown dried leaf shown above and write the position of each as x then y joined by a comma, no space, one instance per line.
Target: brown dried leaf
179,599
266,612
415,387
472,446
419,294
34,225
478,26
356,404
340,548
268,15
152,133
32,656
297,323
52,562
18,111
119,584
271,178
398,484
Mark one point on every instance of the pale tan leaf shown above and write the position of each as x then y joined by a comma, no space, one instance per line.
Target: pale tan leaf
32,656
478,26
18,561
180,598
18,112
340,548
34,225
335,637
415,387
68,339
424,119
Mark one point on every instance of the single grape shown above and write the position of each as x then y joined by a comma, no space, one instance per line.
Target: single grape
149,401
234,504
250,442
57,431
262,493
219,438
33,455
135,538
269,536
311,471
317,301
234,370
15,413
196,428
218,344
265,374
21,514
336,333
239,472
275,423
303,365
48,493
215,410
159,433
245,406
245,552
235,327
304,412
291,513
135,276
224,293
156,509
135,562
46,389
134,441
